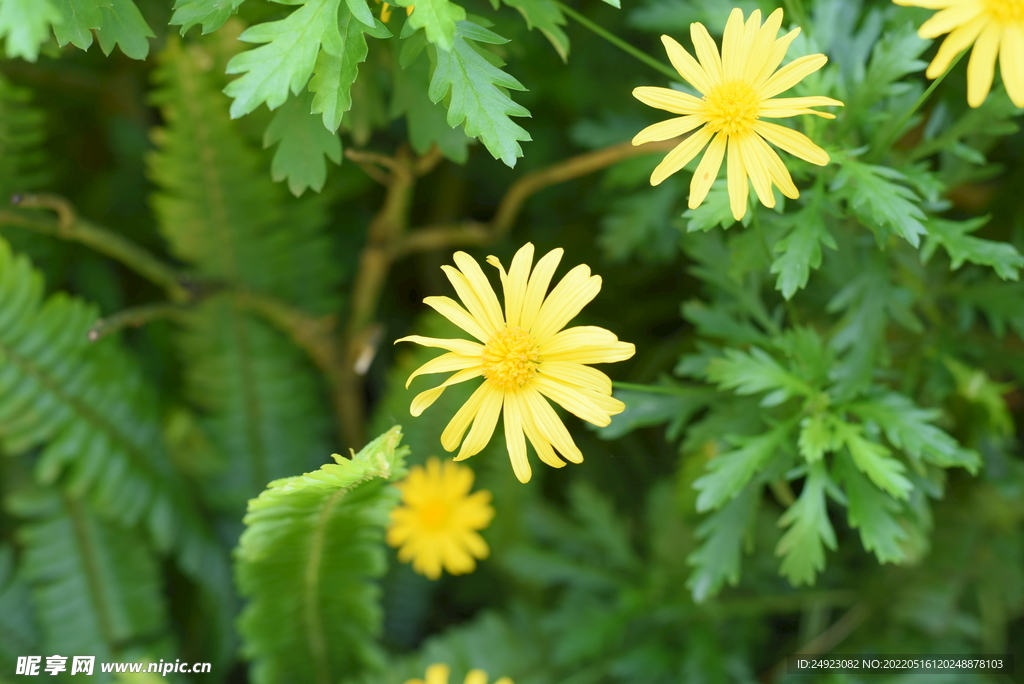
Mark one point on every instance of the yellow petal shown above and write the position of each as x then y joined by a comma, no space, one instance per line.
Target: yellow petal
577,289
950,18
957,41
1011,61
669,100
541,445
450,309
464,347
664,130
681,155
538,287
586,344
782,107
927,4
736,176
483,426
475,545
732,45
444,364
791,74
437,674
577,374
756,169
589,406
686,65
476,677
775,56
707,52
750,31
707,171
982,67
514,284
550,425
504,680
423,400
779,173
457,560
794,142
764,41
452,434
456,481
481,288
515,440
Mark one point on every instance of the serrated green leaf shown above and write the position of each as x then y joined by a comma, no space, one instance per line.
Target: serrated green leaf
79,18
438,18
810,530
321,535
546,16
714,211
894,56
426,121
210,13
728,473
302,143
954,237
717,559
879,202
975,385
123,25
909,427
334,74
874,460
873,513
477,96
361,11
641,224
285,60
817,436
25,26
800,251
754,373
663,404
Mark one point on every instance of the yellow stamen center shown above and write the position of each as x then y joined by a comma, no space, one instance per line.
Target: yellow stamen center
1006,11
732,107
510,358
434,515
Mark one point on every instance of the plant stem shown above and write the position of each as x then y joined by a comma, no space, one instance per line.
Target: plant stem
619,43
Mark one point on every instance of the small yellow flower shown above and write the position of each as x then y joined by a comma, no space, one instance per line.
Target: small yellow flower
385,12
437,522
739,88
438,674
524,356
996,27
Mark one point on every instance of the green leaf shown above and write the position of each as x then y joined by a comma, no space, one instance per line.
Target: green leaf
663,404
546,16
894,56
302,143
874,460
285,61
641,224
426,121
802,546
754,373
800,251
334,74
728,473
954,237
477,93
873,512
18,626
96,586
438,18
210,13
25,24
79,18
717,559
714,211
880,203
320,535
975,385
817,436
123,25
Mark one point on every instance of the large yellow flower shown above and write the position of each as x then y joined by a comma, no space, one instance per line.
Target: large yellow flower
438,674
739,88
996,27
436,525
524,356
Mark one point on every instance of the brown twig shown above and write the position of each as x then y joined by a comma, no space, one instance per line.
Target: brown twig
133,318
826,641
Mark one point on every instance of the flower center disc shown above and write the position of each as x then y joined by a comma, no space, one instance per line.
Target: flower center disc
1006,11
732,106
510,358
433,515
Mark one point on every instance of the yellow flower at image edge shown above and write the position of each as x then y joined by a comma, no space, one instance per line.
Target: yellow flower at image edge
524,355
996,27
438,674
436,525
738,88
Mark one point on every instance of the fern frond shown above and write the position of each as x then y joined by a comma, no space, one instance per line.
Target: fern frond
21,136
19,633
306,561
87,405
96,586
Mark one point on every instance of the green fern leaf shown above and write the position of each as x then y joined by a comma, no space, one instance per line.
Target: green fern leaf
321,536
25,24
477,95
19,633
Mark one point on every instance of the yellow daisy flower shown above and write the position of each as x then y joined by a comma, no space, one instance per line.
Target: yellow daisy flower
438,674
437,521
524,356
996,27
739,88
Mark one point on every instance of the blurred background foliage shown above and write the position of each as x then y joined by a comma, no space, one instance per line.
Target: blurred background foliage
820,451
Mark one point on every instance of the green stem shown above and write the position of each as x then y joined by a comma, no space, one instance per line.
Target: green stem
890,136
794,318
619,43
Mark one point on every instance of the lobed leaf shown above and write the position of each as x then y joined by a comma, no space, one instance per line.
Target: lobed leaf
729,472
302,144
210,13
756,372
879,202
438,18
800,251
802,547
873,512
955,238
25,25
717,559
